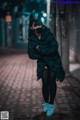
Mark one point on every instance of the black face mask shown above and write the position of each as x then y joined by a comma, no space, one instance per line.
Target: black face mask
38,30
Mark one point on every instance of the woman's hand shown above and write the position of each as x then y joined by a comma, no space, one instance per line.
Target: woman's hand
37,47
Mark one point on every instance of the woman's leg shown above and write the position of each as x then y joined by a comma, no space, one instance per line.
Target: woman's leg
45,85
53,86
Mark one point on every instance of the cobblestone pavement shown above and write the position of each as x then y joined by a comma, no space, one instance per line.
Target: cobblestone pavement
21,95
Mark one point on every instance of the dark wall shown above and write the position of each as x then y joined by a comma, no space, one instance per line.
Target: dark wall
74,32
0,34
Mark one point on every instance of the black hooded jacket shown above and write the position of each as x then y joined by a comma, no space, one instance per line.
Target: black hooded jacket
46,54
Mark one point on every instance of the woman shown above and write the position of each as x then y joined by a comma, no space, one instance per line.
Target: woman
43,47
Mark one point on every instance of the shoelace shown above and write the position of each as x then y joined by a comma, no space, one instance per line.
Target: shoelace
49,108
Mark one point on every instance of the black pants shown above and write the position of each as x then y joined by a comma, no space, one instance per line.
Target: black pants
49,86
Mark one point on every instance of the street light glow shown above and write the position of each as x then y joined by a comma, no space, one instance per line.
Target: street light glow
44,14
42,19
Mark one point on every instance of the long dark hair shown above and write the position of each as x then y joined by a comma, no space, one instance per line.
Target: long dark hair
36,22
31,18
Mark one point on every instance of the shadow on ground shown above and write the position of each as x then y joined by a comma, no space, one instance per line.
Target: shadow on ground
42,116
56,116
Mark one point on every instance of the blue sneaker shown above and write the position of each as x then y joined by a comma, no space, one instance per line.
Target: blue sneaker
50,110
45,106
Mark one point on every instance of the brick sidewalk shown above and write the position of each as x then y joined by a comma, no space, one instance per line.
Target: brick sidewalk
21,94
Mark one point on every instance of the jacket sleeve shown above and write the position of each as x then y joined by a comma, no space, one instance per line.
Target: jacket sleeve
32,52
49,47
